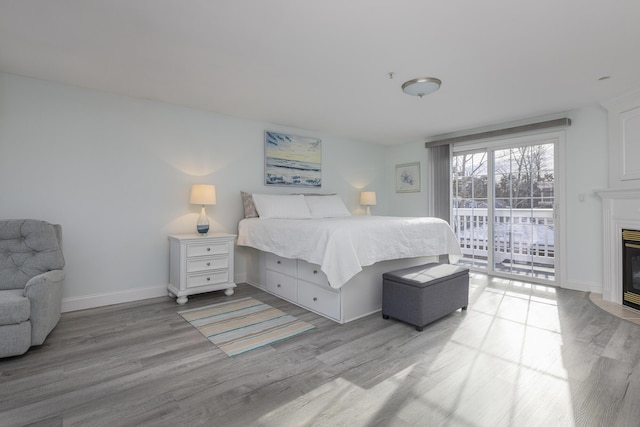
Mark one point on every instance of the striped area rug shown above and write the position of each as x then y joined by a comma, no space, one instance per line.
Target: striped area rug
244,324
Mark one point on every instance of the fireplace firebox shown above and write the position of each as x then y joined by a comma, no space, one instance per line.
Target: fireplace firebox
631,268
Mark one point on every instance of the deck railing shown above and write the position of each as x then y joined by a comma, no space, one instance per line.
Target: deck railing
523,236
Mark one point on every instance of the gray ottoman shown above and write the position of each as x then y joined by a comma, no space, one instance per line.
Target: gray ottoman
419,295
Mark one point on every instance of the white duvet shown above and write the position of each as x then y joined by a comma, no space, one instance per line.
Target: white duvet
342,246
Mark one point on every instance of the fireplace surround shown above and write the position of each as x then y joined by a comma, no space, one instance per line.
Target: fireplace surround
620,211
621,201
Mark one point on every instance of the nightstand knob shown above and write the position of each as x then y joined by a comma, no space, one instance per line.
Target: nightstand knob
315,298
208,264
208,279
279,285
279,262
208,249
315,271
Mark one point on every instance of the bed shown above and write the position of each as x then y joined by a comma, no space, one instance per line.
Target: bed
333,265
343,246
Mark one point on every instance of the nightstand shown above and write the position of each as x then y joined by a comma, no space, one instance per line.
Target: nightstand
200,264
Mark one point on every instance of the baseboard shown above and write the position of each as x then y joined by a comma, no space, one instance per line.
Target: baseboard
99,300
254,284
582,286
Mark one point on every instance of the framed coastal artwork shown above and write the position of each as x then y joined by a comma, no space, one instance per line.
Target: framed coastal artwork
408,178
291,160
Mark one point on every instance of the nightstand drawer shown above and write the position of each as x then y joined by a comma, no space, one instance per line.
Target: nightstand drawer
282,285
312,273
209,263
281,265
194,250
318,299
211,278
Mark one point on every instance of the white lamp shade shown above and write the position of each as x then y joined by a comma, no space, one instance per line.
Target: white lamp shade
203,194
368,198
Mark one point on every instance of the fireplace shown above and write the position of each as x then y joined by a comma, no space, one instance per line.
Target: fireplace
631,268
620,212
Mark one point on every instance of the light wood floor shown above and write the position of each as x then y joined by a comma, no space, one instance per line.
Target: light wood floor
522,355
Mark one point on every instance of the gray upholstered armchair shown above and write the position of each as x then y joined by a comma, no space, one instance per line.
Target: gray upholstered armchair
31,279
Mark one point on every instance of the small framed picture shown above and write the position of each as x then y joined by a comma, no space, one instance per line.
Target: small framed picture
408,178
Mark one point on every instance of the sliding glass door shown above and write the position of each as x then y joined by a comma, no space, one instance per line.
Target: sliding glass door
503,207
470,206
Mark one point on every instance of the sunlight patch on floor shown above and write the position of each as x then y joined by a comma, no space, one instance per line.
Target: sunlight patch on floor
507,359
336,403
508,345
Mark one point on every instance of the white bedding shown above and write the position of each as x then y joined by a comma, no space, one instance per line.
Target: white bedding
342,246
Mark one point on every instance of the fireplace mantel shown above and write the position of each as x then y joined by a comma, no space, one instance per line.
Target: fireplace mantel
620,210
618,193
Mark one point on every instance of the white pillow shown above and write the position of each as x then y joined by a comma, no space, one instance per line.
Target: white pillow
281,206
326,206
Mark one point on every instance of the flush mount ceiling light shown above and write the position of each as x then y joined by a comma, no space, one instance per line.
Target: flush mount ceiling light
421,86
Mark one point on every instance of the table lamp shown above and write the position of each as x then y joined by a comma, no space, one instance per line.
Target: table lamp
203,194
368,198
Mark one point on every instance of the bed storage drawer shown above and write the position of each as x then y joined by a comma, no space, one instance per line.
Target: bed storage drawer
282,285
281,265
319,299
312,273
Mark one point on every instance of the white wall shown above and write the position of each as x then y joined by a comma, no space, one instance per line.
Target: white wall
116,173
586,169
407,204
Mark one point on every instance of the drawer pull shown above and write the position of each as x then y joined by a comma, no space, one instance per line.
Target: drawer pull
208,264
315,271
279,285
208,279
315,298
279,262
208,249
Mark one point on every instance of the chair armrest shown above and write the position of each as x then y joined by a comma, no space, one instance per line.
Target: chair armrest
38,284
45,293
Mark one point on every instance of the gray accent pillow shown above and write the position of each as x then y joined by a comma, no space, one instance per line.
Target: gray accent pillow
249,207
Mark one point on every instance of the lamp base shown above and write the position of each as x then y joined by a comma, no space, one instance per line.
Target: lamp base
368,211
203,222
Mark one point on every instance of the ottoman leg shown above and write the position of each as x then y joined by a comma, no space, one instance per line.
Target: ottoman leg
384,316
419,328
464,308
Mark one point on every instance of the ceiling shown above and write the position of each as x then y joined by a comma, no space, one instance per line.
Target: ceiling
324,66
